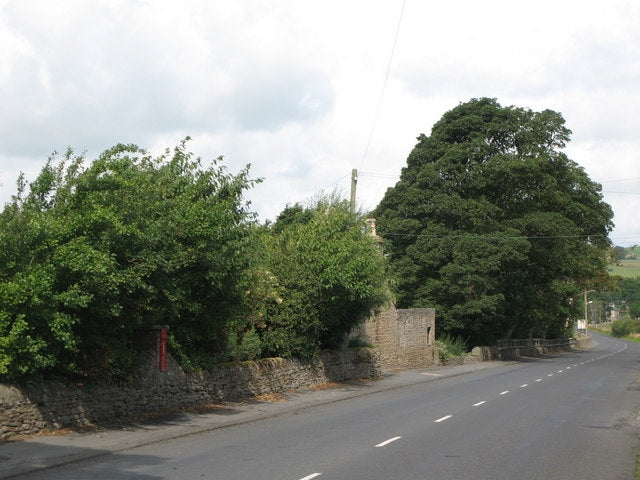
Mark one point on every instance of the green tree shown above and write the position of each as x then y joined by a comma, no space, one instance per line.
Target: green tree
90,254
324,276
292,214
493,225
618,253
629,291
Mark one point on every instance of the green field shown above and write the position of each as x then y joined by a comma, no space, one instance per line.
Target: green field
626,269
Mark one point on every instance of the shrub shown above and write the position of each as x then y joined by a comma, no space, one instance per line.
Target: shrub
359,342
450,347
329,275
625,327
247,347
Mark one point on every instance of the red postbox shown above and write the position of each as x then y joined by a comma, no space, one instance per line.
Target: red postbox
163,336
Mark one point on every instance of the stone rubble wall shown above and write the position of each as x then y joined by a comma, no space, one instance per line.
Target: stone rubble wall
544,347
48,405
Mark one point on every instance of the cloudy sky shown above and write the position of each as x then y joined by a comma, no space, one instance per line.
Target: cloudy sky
307,90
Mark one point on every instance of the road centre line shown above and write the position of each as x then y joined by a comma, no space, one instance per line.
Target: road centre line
524,385
431,374
309,477
538,379
479,403
387,442
504,393
550,375
447,417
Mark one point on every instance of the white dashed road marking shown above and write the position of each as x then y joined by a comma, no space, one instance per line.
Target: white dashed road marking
447,417
387,442
309,477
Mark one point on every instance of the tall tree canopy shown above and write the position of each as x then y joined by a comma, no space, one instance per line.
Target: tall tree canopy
493,225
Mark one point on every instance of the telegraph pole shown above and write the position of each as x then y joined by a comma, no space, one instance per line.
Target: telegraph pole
354,182
586,312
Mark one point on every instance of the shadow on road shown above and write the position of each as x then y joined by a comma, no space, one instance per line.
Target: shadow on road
39,460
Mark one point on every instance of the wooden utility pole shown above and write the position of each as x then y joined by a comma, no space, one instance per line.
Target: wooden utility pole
354,182
586,312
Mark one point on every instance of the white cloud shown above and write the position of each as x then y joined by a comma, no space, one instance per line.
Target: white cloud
293,87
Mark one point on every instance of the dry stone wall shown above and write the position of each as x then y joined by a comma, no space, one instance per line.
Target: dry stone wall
36,407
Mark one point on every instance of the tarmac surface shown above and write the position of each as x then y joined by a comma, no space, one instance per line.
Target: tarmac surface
44,451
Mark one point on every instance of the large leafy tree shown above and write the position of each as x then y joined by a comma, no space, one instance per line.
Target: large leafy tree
91,253
493,225
321,275
628,290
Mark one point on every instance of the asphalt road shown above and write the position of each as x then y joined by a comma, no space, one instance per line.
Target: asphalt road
567,417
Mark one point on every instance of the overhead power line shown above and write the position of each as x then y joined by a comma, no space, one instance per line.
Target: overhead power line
384,86
337,181
488,237
377,175
621,193
621,180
